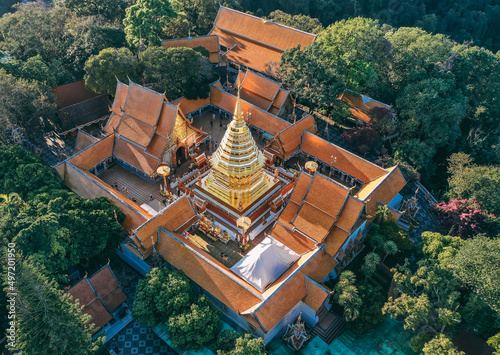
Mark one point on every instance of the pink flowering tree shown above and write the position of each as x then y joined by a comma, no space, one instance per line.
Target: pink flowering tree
462,218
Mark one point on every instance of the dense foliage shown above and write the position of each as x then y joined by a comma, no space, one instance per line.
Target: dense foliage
57,228
46,321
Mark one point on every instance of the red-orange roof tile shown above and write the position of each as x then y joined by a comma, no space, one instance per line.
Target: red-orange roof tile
135,130
361,104
335,239
95,154
120,97
301,187
293,240
350,213
347,162
188,106
157,146
326,195
260,85
107,288
135,156
112,123
316,295
313,222
166,120
143,104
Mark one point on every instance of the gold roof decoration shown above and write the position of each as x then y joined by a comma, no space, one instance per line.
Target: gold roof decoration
237,176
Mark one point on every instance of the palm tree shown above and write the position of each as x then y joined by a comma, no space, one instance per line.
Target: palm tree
371,264
390,248
346,295
375,241
383,213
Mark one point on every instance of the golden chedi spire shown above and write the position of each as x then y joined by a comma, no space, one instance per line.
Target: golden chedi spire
237,177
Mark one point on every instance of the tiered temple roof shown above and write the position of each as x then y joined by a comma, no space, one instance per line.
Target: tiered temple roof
360,105
254,42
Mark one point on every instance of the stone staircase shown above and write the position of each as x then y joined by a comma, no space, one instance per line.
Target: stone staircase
329,327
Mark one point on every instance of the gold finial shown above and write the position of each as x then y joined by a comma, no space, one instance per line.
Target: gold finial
238,111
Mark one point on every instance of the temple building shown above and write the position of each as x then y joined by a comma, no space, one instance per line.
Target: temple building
237,176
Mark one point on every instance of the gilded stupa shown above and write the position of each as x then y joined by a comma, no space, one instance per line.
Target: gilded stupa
237,176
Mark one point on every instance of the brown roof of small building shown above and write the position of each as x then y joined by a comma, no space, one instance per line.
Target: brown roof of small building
210,43
72,93
134,155
135,130
83,140
290,138
360,105
258,41
260,85
107,288
316,295
94,154
206,275
143,104
91,304
347,162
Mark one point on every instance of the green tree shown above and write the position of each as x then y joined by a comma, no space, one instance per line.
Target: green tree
347,296
147,20
87,37
494,342
196,326
162,294
383,214
441,345
246,345
34,29
390,248
111,10
439,248
477,264
309,79
36,69
300,22
358,50
372,262
370,312
469,181
47,322
178,72
427,299
102,70
26,103
225,341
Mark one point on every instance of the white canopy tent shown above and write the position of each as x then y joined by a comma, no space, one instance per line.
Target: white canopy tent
265,263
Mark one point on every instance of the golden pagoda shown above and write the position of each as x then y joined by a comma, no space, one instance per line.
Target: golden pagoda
237,177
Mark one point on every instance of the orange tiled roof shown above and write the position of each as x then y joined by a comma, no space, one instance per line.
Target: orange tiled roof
347,162
134,155
257,41
361,104
167,119
300,188
92,306
120,97
107,288
83,140
290,138
135,130
174,217
94,154
313,222
383,189
335,239
260,85
316,266
293,240
210,43
316,295
288,214
157,146
143,104
326,195
188,106
259,118
205,274
112,123
280,98
350,213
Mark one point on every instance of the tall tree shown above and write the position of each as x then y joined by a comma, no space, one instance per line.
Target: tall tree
111,10
477,264
47,322
300,22
196,326
246,345
441,345
26,103
147,20
346,295
160,295
359,51
102,70
427,299
178,72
